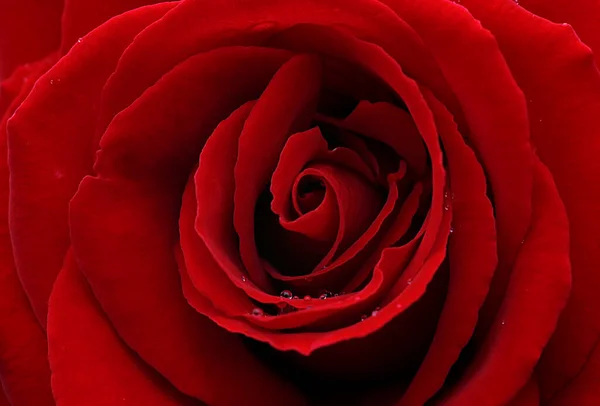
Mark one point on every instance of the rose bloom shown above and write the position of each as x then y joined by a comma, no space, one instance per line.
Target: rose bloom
301,202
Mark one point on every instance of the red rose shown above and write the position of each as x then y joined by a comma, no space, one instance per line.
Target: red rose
312,202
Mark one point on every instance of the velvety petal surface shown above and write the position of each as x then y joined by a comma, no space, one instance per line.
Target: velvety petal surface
90,363
24,369
562,86
51,148
79,17
537,293
29,31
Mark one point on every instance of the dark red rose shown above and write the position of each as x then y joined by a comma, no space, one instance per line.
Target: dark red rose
311,202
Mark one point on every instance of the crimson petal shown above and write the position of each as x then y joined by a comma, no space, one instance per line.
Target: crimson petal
286,106
537,293
51,148
90,363
29,31
472,259
561,82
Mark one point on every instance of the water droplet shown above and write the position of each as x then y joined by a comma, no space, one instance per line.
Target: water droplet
451,230
522,241
398,306
51,81
502,322
296,298
363,317
79,40
446,206
308,297
286,294
375,312
258,312
409,282
244,278
323,296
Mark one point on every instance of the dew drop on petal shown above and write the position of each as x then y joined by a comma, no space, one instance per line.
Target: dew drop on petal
244,278
286,294
363,317
257,311
307,297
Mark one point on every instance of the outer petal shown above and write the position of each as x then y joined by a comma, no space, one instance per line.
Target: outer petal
29,30
123,236
51,148
82,16
528,396
472,259
583,15
90,363
583,390
197,26
496,116
537,292
562,85
24,369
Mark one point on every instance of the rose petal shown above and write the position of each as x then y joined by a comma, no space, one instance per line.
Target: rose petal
29,31
90,363
24,368
582,15
496,116
299,150
562,85
203,271
286,106
51,148
537,293
528,396
324,39
196,26
123,235
392,126
358,206
472,259
79,17
584,389
206,225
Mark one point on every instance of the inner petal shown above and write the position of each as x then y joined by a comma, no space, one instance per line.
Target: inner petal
308,194
357,203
